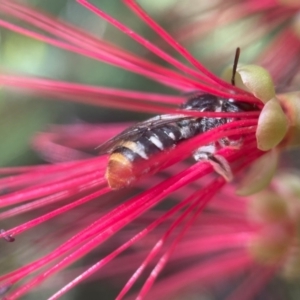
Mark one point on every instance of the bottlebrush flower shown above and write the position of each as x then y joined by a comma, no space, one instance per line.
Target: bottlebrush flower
234,249
80,179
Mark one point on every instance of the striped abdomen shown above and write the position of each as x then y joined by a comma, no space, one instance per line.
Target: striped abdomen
132,158
141,149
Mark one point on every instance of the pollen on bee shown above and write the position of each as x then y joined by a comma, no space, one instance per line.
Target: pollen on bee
119,172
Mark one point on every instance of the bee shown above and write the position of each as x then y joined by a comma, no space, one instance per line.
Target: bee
142,148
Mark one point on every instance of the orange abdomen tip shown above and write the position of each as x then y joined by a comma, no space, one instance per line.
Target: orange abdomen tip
119,172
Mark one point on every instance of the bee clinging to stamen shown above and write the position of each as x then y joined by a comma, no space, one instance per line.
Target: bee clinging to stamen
134,152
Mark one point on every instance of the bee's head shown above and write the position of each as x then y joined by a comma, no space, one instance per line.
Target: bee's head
199,101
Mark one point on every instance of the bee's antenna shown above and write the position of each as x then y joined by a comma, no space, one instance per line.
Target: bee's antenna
236,60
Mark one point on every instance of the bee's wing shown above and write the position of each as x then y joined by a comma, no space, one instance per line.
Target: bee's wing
138,130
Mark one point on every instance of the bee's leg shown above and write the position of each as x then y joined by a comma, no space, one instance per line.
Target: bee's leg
231,143
218,162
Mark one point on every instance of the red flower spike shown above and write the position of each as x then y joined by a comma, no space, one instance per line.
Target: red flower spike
220,236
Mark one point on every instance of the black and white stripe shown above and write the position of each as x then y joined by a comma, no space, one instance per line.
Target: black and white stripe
155,139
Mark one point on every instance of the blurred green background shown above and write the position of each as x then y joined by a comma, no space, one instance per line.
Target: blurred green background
22,114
